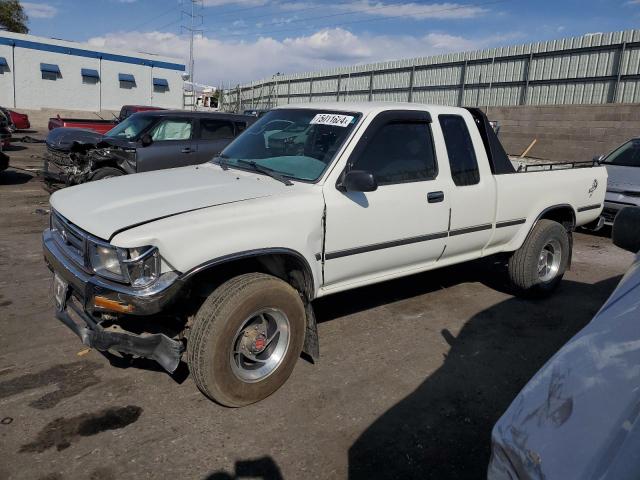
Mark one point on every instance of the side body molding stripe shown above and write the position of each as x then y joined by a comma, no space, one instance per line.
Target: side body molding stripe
422,238
589,207
381,246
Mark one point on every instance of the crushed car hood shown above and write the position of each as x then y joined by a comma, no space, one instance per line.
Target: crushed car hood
108,206
63,138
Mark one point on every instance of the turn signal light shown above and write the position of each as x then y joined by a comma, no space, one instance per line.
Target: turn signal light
113,305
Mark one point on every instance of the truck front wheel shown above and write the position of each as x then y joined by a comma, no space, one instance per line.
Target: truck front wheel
538,266
246,339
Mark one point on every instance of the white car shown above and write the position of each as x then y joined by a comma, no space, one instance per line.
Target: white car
309,201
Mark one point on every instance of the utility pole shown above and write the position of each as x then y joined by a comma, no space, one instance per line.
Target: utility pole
196,21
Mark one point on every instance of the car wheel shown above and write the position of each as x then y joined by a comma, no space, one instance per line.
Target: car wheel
538,266
106,172
246,339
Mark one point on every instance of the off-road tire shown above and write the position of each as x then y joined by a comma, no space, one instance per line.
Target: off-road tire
106,172
523,264
216,324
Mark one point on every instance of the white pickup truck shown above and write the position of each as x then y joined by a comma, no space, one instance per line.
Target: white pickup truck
222,261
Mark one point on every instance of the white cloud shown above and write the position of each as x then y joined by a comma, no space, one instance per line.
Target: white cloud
230,62
418,11
249,3
39,10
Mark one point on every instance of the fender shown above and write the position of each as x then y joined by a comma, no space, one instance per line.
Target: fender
305,285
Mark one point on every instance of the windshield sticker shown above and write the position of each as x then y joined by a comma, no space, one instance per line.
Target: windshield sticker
332,119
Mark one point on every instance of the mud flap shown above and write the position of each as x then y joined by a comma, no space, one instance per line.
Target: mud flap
311,345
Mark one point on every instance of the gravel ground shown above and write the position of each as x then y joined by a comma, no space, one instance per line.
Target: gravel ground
412,376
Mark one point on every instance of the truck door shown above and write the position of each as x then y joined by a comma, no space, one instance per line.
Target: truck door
473,189
171,145
213,135
401,225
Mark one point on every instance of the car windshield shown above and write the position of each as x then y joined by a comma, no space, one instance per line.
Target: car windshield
294,143
131,127
628,155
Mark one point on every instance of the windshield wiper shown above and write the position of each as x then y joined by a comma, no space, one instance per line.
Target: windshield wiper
221,161
265,170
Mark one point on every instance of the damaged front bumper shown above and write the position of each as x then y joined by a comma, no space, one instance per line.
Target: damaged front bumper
80,304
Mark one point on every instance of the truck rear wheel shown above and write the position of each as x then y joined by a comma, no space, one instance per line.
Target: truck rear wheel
538,266
246,339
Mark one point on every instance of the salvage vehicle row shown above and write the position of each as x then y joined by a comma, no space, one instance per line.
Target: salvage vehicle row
145,141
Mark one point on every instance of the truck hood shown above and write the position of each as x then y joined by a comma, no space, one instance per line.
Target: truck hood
106,207
63,138
623,179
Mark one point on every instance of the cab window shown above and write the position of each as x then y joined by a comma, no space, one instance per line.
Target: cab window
462,155
399,152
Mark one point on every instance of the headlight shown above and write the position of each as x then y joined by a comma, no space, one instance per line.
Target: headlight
105,261
138,266
143,266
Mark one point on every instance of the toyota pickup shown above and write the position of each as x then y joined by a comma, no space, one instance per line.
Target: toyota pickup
220,263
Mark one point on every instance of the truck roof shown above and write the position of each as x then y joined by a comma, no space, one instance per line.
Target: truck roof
192,114
375,107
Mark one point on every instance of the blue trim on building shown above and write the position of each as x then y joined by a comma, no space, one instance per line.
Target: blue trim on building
160,82
79,52
89,72
49,68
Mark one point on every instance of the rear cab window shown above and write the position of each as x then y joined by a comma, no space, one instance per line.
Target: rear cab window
460,150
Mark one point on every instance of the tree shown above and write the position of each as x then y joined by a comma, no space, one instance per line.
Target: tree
12,17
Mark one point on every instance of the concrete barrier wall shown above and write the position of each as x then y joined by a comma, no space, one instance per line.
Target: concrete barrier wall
566,132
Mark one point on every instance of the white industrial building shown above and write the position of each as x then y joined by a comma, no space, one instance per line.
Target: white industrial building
37,73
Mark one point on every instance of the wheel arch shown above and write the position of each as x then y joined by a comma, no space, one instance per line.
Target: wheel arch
284,263
564,214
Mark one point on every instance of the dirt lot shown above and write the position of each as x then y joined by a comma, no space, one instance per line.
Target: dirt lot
413,375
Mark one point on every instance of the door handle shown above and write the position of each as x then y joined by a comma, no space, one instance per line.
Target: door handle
186,150
435,197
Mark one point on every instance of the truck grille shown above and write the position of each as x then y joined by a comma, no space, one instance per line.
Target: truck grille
58,157
609,214
70,239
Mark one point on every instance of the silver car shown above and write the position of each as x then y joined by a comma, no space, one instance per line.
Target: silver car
623,188
579,416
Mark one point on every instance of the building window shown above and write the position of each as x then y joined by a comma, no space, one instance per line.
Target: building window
160,85
127,80
90,76
50,71
4,66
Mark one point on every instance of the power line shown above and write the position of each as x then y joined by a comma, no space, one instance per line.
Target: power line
390,17
160,15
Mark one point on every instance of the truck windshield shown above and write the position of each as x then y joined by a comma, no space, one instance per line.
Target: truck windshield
130,128
628,155
294,143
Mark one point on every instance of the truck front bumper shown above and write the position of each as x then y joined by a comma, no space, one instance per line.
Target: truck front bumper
79,308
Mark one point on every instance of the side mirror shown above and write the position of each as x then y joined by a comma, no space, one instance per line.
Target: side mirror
146,140
598,158
359,181
626,229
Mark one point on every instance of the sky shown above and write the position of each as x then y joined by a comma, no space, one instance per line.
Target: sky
245,40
